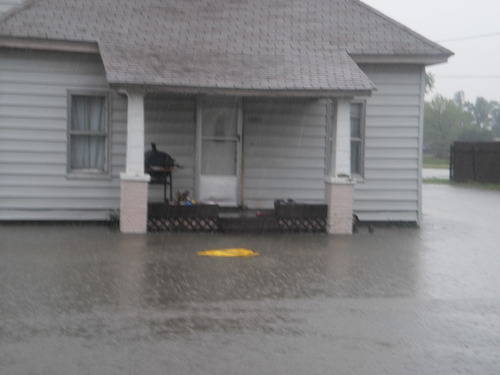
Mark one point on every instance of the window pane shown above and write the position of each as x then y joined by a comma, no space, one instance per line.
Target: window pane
356,156
355,128
220,118
88,152
88,113
356,110
356,116
219,158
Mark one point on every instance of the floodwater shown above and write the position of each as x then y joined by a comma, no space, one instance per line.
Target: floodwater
87,300
440,173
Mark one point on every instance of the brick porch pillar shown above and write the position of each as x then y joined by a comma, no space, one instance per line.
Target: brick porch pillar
339,184
134,183
339,197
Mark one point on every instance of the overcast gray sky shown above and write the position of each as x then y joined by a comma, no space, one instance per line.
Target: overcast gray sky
475,68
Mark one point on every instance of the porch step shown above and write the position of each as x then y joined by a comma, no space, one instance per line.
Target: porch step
255,224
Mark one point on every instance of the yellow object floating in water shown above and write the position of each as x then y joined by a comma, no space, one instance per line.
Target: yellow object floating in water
228,253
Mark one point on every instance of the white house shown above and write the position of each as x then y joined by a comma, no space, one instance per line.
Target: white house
314,100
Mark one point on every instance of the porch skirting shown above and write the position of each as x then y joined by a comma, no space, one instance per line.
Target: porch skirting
285,218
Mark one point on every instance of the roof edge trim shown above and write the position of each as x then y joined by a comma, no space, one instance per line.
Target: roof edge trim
400,59
191,90
49,45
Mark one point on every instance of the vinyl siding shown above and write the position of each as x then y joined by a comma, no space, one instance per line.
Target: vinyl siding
33,121
6,5
284,151
33,141
391,187
283,143
171,124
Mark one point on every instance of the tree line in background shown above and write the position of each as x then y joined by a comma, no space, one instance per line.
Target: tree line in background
455,119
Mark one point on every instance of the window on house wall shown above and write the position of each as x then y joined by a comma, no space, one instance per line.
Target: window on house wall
357,138
88,133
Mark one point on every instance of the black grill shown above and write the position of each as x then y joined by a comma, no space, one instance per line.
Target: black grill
159,165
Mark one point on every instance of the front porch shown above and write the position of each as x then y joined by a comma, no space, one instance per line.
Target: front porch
240,152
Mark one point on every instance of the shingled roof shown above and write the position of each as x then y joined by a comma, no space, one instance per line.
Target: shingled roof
231,44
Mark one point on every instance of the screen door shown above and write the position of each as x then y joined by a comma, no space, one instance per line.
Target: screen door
220,151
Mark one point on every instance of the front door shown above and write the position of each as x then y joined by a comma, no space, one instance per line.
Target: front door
220,156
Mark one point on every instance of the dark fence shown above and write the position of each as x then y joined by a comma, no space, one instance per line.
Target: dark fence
475,161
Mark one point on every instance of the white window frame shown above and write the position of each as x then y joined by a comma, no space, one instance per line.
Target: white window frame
89,173
361,141
330,136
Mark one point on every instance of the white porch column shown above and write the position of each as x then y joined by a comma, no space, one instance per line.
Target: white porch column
134,183
339,184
